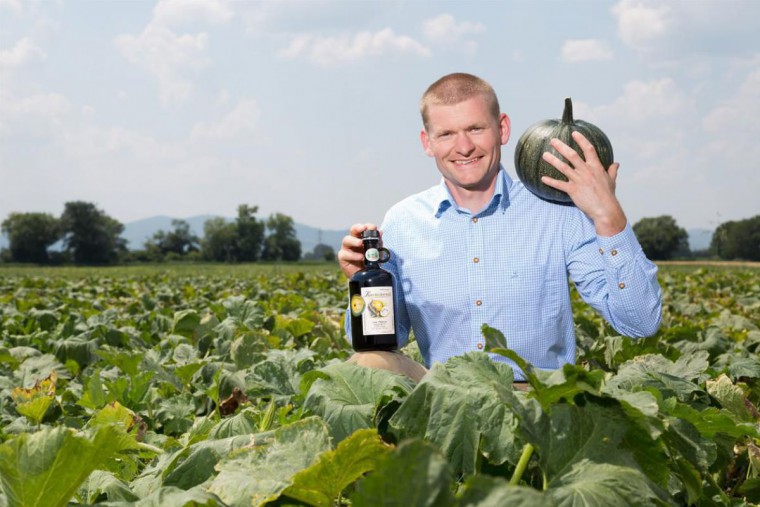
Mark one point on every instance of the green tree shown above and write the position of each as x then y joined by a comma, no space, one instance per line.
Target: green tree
250,234
660,237
30,235
737,239
321,252
90,236
219,240
179,241
281,244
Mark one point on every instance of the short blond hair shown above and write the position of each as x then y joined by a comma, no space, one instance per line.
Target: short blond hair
455,88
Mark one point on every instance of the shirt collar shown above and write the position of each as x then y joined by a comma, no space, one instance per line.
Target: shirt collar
500,199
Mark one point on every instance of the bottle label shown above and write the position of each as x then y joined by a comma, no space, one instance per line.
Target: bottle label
372,254
377,317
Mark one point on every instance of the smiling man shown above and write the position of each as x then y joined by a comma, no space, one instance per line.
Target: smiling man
480,248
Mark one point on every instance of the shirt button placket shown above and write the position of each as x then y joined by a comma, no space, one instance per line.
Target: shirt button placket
478,284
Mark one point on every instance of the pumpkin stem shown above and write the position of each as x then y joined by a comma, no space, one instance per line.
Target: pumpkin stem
567,116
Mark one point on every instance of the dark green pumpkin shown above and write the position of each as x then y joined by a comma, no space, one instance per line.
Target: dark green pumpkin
531,146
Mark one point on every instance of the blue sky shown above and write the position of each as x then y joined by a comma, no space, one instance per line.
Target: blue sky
309,108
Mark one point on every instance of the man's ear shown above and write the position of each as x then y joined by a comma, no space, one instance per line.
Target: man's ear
505,125
426,143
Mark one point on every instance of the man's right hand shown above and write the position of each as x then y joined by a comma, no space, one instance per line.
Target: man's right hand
351,254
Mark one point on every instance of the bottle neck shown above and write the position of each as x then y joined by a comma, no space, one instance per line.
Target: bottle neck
371,253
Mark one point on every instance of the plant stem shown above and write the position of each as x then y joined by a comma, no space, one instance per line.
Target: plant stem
522,464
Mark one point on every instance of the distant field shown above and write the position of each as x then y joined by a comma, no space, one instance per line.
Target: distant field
257,269
172,269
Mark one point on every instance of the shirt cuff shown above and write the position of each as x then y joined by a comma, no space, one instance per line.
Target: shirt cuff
619,249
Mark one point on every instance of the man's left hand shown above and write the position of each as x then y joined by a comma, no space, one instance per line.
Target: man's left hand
590,187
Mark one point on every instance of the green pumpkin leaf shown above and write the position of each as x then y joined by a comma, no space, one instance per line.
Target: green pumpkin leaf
461,406
170,496
321,483
242,423
413,475
597,430
348,400
259,474
589,484
102,483
488,491
46,468
186,322
731,397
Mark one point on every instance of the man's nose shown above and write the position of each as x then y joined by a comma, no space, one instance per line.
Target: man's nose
464,144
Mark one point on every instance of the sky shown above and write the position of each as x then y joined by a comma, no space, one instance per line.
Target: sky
310,108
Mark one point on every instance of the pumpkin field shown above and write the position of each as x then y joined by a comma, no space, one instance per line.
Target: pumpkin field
227,386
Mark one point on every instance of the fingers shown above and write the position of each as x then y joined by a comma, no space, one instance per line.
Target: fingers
351,254
574,159
613,171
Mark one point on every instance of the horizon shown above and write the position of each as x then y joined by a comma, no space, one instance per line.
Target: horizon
310,109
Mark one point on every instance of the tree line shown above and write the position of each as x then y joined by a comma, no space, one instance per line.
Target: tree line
89,236
662,239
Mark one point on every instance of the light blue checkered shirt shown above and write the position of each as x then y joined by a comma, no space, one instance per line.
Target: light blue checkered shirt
507,266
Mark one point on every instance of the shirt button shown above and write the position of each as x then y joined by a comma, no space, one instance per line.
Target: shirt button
478,302
475,260
613,252
601,251
621,285
480,346
474,220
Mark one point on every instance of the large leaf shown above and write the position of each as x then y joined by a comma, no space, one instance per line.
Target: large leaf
47,467
589,484
321,483
677,378
259,474
170,496
460,407
732,398
34,401
242,423
596,430
348,399
104,484
487,491
279,375
414,475
191,465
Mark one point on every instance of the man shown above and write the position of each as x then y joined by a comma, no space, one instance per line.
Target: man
480,248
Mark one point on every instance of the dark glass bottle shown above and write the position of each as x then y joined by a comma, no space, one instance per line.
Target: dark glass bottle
373,316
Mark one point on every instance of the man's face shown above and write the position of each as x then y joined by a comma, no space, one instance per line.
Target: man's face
465,140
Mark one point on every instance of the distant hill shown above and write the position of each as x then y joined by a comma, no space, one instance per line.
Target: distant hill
137,232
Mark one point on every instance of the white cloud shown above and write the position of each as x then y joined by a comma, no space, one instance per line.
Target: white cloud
173,12
640,22
12,5
241,121
21,53
299,16
645,102
329,51
732,125
171,58
445,29
585,50
31,114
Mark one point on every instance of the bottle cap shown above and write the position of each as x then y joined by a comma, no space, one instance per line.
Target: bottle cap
370,234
